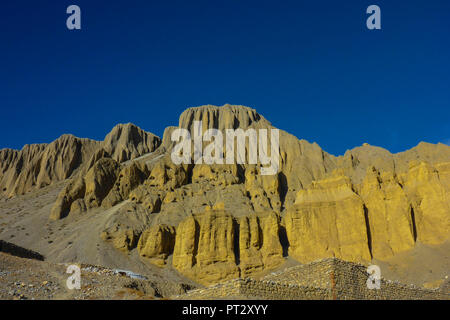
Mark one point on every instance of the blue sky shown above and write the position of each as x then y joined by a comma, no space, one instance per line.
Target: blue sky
310,67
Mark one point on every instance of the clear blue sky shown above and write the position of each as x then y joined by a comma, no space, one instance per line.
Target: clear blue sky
310,67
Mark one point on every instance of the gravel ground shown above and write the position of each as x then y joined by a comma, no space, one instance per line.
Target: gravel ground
23,279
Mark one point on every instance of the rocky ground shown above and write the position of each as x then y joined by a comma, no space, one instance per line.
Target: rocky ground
27,279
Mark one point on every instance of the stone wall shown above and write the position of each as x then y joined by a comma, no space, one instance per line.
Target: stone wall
351,283
280,291
250,288
315,274
322,280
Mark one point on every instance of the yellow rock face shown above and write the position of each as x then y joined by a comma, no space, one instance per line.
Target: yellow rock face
212,246
444,177
216,244
328,220
186,245
388,213
259,243
156,244
430,201
382,216
206,253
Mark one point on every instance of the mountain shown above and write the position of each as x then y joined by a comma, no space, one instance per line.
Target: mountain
219,222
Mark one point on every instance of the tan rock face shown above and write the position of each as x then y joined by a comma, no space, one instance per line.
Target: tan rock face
263,191
97,155
357,161
300,163
91,189
328,220
78,207
39,165
216,175
433,154
226,117
74,190
99,180
166,175
125,226
127,142
129,178
149,198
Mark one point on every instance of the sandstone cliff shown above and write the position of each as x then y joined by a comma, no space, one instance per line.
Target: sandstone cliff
217,222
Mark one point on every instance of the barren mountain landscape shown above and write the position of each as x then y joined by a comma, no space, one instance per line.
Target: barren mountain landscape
141,226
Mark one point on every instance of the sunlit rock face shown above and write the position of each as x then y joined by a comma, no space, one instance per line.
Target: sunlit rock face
223,221
328,220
